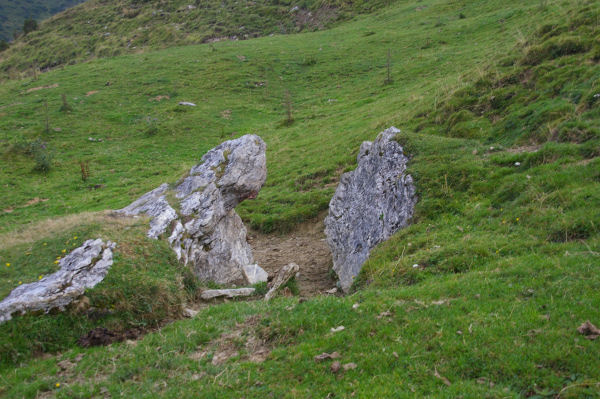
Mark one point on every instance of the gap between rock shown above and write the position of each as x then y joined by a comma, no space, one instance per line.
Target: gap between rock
306,246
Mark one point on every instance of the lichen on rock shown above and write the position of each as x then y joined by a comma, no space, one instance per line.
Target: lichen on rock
370,204
197,214
81,269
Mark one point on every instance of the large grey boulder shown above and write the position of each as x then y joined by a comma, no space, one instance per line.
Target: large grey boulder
370,204
83,268
197,214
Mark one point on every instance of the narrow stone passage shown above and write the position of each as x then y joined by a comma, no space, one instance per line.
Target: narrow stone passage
305,246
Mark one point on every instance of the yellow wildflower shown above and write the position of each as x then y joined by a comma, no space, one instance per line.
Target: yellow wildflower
57,385
75,237
63,251
56,262
20,282
40,277
517,219
45,244
7,264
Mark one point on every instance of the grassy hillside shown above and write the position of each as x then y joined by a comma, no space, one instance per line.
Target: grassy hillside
499,106
13,13
101,28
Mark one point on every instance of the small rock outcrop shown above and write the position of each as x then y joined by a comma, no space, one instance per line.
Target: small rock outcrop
283,276
255,274
197,214
83,268
227,293
370,204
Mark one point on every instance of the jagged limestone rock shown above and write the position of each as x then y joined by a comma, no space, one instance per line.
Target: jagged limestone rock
227,293
283,276
197,214
370,204
83,268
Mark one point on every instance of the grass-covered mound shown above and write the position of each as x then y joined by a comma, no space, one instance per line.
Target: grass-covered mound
101,28
144,288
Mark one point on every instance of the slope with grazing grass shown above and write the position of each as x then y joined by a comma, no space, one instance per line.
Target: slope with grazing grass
101,28
14,13
481,297
338,98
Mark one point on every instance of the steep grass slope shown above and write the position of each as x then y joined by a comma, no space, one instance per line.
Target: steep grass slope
14,13
100,28
481,297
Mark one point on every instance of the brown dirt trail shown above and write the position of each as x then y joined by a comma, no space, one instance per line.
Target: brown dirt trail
305,246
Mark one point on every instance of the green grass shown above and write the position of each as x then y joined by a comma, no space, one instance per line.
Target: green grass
100,29
497,102
145,288
239,87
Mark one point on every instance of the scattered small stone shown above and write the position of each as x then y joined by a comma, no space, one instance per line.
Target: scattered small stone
327,356
395,354
590,331
331,291
459,332
381,315
349,366
228,293
94,140
187,104
355,306
517,163
415,266
335,366
338,329
255,274
191,313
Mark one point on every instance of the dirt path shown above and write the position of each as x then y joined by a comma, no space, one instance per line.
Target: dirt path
305,246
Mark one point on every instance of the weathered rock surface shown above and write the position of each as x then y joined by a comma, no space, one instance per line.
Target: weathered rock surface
83,268
370,204
255,274
197,214
228,293
282,277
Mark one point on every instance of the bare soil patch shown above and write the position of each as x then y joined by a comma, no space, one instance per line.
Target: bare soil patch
102,336
306,246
